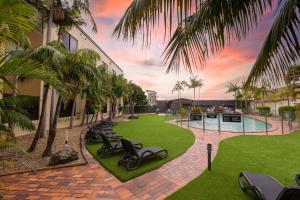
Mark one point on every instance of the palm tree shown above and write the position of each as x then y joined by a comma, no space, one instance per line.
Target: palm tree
204,27
66,15
75,64
233,88
255,94
178,87
119,89
82,75
263,90
246,93
22,66
49,55
195,82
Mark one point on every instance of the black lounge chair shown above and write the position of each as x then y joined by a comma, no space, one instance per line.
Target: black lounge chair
267,188
133,157
94,137
109,147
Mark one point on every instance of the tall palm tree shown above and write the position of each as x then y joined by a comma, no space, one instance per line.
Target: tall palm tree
82,75
265,87
66,15
255,94
50,56
179,87
233,88
204,28
195,82
75,64
22,66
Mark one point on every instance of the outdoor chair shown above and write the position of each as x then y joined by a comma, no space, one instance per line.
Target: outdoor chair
94,137
109,148
267,188
101,129
133,157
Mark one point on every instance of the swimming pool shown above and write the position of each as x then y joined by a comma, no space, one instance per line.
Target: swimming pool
251,125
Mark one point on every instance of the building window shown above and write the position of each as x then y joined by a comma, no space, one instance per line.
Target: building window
69,42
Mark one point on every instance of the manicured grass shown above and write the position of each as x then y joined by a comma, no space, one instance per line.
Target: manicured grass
277,156
151,130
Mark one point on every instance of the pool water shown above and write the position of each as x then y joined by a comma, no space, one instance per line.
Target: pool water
251,125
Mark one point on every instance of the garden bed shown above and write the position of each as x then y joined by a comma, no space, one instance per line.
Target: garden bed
14,160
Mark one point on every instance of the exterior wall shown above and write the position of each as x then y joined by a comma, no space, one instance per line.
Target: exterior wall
35,87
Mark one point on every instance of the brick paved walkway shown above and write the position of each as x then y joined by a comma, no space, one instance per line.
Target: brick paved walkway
94,182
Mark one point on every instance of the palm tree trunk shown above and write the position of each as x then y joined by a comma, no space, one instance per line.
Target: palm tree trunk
235,102
42,120
199,97
87,116
131,106
11,137
72,114
97,114
49,39
194,104
50,22
53,129
83,114
92,118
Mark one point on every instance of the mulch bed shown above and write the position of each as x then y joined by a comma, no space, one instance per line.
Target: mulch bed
13,160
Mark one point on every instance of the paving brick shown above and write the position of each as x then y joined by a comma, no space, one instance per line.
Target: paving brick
92,181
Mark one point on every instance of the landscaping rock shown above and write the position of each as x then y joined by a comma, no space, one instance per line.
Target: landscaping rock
63,156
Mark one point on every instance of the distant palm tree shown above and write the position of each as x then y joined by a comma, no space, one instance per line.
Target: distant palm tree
195,82
233,88
245,91
263,90
203,28
179,86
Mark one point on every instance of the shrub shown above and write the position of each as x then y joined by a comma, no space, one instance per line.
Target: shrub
285,110
183,112
197,110
125,109
263,110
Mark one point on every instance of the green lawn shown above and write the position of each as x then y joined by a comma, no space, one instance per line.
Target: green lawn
151,130
274,155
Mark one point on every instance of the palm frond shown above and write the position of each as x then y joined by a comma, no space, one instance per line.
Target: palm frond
32,69
18,118
206,32
281,48
143,16
17,18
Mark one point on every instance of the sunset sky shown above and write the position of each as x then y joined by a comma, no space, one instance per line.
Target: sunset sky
144,66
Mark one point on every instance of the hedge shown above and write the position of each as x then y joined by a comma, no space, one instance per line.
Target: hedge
287,108
263,109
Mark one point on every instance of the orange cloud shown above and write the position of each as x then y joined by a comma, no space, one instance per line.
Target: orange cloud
109,8
146,84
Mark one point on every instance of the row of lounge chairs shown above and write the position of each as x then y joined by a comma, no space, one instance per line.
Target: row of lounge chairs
133,152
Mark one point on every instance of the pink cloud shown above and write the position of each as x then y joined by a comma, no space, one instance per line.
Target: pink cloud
109,8
146,84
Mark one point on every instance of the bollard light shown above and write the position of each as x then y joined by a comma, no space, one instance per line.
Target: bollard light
209,150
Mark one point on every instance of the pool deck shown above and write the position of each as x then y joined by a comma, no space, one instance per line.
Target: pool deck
92,181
